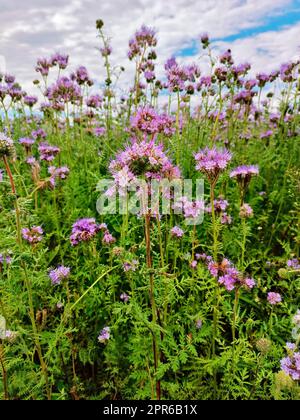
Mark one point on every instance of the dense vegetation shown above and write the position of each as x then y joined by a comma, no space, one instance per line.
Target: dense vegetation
149,305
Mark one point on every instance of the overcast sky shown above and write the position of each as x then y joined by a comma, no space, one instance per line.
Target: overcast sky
264,32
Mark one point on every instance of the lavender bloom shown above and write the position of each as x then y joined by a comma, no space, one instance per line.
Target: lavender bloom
99,131
43,66
146,120
199,324
194,264
262,79
83,230
274,298
212,162
47,152
39,134
226,219
108,238
104,335
30,100
291,366
246,211
266,135
7,147
60,173
65,90
124,297
33,235
94,101
228,275
177,232
293,263
130,266
106,51
59,274
61,60
81,76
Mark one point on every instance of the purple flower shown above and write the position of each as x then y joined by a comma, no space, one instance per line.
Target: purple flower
267,134
33,235
244,172
228,275
59,274
5,259
108,238
81,76
212,162
47,152
246,211
124,297
177,232
83,230
274,298
130,266
7,147
43,66
199,324
194,264
291,366
106,51
30,100
39,134
104,335
294,263
226,219
60,173
61,60
146,120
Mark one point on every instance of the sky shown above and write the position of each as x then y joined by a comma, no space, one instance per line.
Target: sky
264,32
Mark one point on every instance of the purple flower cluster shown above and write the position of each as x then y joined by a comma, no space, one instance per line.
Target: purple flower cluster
291,366
181,78
228,275
5,259
33,235
143,38
246,211
294,263
63,91
81,76
146,120
274,298
177,232
124,297
244,173
104,335
7,147
58,173
83,230
61,60
142,159
94,101
212,162
130,265
47,152
59,274
30,100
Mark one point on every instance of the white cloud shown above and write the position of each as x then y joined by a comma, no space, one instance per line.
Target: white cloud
38,28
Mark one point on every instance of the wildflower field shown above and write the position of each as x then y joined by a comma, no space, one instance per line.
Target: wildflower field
149,242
